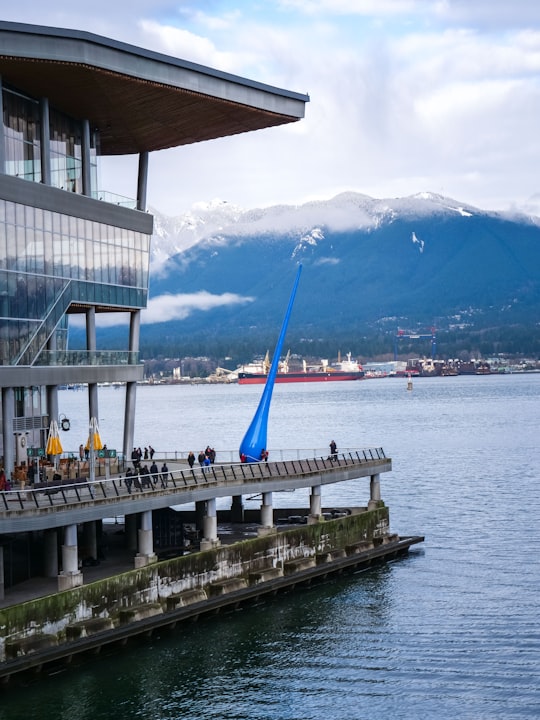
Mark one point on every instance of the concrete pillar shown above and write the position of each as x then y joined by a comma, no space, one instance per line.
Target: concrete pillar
50,552
210,536
70,576
315,505
131,387
374,491
267,515
237,509
146,554
142,181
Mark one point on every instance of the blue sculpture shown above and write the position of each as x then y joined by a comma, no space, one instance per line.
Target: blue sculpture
254,442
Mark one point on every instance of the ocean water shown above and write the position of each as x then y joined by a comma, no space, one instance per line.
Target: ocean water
450,631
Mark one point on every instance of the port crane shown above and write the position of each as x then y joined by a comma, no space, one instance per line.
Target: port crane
407,335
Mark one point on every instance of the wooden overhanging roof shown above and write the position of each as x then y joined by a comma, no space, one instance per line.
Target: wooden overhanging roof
137,99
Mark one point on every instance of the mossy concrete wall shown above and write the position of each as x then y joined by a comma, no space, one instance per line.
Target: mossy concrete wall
51,615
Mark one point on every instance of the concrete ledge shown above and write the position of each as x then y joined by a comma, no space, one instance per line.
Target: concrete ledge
265,575
227,586
329,556
292,566
187,597
359,547
85,628
29,645
68,581
139,612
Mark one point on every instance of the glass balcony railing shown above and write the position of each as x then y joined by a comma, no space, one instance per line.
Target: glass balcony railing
55,358
114,199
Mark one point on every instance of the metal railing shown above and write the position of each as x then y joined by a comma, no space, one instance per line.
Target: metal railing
68,493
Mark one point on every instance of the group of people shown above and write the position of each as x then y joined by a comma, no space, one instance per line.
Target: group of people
137,455
146,477
204,458
263,457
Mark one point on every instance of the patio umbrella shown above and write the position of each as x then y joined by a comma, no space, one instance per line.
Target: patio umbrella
54,446
93,443
94,440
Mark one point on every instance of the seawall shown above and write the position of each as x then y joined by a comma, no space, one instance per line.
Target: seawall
58,627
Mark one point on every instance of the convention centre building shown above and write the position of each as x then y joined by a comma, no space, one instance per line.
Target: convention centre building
69,246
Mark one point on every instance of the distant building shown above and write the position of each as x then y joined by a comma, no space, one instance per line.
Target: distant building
67,246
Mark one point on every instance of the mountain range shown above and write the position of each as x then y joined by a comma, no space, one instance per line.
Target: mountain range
221,276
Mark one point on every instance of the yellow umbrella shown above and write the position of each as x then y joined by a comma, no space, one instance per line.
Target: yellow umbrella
94,438
54,446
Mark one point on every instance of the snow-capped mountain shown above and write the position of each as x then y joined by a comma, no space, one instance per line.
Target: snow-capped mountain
346,211
369,265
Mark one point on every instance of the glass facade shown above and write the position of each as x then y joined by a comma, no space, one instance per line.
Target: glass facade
50,260
21,136
22,140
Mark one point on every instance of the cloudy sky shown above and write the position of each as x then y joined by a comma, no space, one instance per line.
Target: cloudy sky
405,96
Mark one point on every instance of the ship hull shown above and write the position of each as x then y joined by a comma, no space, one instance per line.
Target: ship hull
299,377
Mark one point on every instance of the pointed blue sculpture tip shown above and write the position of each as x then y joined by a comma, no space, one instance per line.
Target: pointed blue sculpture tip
254,445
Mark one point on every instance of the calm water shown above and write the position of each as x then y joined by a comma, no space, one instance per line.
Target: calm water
451,631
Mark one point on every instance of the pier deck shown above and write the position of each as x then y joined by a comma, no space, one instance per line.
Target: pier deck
59,504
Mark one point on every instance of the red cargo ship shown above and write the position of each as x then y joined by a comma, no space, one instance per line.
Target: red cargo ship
346,370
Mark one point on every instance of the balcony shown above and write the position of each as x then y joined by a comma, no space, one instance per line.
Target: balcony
64,358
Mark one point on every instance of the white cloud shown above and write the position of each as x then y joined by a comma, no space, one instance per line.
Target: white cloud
178,307
165,308
406,96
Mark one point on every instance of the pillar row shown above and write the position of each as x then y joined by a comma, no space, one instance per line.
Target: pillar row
267,515
210,537
70,576
146,554
374,491
315,512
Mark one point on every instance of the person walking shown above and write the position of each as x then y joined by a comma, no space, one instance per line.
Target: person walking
333,450
129,479
164,475
191,459
155,473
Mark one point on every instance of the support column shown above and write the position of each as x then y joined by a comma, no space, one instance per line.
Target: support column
45,142
315,514
131,387
50,553
86,160
70,576
210,537
237,509
267,515
374,492
91,345
146,554
142,181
